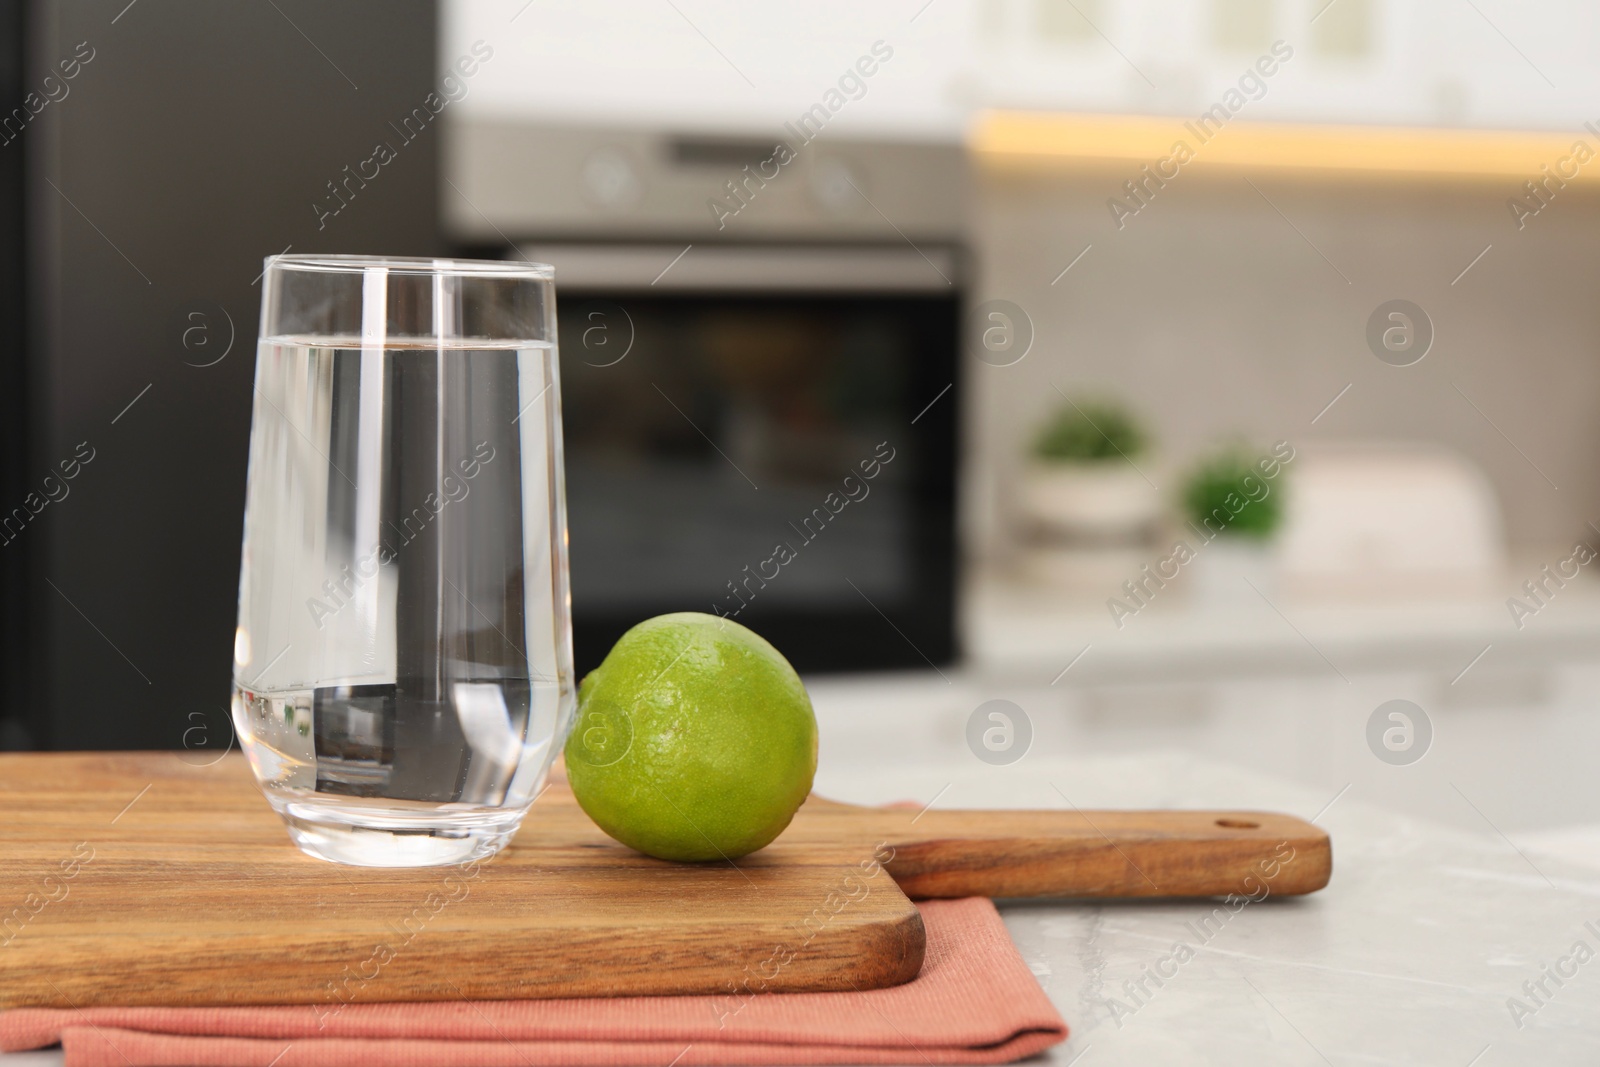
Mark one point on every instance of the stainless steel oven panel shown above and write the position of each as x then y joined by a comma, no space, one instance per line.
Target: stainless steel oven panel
531,180
714,268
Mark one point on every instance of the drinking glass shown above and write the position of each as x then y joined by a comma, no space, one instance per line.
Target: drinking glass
403,662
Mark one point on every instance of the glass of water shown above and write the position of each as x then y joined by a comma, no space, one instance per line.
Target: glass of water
403,662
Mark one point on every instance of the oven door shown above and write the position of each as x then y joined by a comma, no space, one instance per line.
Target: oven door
767,434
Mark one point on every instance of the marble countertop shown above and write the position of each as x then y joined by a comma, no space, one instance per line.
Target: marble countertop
1409,956
1413,954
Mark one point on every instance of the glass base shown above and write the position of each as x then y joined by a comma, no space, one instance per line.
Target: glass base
372,838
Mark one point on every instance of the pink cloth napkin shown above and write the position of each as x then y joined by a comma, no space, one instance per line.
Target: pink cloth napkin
974,1002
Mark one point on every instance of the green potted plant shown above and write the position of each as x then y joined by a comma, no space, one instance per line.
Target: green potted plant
1083,482
1232,506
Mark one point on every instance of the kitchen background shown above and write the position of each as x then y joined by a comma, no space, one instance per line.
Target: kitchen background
953,223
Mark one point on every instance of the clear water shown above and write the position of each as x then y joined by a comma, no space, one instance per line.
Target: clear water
403,654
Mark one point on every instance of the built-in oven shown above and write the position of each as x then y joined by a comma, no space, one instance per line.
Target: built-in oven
758,371
766,433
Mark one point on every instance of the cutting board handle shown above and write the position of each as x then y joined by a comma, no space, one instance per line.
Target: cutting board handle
1104,853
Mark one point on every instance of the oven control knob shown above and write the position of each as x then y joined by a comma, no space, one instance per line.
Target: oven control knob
610,179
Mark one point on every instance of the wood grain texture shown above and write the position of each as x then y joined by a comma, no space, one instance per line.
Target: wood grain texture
140,879
1086,853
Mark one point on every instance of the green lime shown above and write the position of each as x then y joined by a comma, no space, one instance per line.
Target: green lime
694,740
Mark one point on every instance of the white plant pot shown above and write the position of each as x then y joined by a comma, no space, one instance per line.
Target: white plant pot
1104,500
1224,569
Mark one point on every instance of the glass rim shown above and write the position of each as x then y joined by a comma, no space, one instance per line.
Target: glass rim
416,265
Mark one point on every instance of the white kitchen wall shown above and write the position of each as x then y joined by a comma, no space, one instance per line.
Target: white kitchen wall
1490,63
709,65
700,65
1230,308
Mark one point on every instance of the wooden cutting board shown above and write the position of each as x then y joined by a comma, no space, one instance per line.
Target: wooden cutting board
140,879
